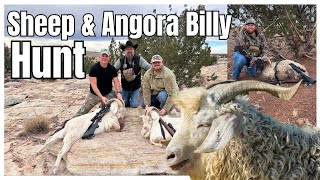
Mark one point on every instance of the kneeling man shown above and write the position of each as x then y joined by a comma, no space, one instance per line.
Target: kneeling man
159,86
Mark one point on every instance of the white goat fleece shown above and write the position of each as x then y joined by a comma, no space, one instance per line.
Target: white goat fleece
225,136
284,70
76,127
151,126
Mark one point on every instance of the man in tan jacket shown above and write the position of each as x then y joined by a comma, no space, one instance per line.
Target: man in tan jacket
159,86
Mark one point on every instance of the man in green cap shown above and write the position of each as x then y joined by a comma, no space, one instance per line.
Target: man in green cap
249,36
159,86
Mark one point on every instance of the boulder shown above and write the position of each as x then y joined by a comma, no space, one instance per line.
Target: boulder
14,99
34,108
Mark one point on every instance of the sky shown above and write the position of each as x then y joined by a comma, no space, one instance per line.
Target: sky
95,43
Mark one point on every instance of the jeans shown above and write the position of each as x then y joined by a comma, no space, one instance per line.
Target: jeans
131,98
239,61
158,100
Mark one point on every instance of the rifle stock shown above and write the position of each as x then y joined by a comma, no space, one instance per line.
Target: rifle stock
171,132
308,79
90,131
95,122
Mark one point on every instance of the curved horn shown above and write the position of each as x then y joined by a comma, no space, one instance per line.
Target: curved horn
217,83
119,101
253,49
225,92
150,108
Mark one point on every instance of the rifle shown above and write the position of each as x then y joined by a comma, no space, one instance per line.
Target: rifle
95,122
168,128
306,78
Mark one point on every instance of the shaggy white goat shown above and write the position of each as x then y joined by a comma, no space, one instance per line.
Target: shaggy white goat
223,137
283,71
151,127
76,127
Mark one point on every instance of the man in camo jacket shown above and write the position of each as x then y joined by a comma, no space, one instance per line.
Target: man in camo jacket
248,36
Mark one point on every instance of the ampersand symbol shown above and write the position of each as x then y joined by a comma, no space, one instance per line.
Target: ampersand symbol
88,25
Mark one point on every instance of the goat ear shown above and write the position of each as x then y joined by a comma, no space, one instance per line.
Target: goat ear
114,108
219,136
154,115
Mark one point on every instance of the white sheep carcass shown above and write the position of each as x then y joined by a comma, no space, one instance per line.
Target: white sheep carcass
151,127
283,71
76,127
224,136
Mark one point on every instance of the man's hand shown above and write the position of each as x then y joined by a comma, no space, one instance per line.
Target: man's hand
253,60
104,100
162,112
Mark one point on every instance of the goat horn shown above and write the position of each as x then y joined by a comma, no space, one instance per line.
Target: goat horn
253,49
225,92
150,108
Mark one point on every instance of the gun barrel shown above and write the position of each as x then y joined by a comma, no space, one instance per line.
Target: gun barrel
308,79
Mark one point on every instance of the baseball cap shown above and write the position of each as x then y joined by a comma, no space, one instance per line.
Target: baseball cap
250,21
105,51
156,58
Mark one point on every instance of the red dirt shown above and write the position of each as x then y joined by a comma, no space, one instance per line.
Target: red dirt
301,109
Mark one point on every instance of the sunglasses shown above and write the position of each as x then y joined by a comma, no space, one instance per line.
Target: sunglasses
157,62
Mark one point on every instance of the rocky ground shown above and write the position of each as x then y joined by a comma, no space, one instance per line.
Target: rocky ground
112,153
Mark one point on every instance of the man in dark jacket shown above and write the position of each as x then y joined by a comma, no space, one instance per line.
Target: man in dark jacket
130,66
249,36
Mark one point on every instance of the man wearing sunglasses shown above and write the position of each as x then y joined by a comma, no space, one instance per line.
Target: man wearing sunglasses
249,36
101,76
159,86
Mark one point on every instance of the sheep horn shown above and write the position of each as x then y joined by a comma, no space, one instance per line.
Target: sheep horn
253,49
149,109
225,92
119,101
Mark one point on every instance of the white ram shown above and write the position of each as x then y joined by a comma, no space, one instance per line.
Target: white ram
76,127
151,127
283,71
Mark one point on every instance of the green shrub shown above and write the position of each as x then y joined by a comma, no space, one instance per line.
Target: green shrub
7,59
87,63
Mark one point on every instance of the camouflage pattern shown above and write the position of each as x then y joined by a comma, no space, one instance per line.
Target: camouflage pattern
91,101
244,41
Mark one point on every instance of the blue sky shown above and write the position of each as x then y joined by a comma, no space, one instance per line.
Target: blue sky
78,11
